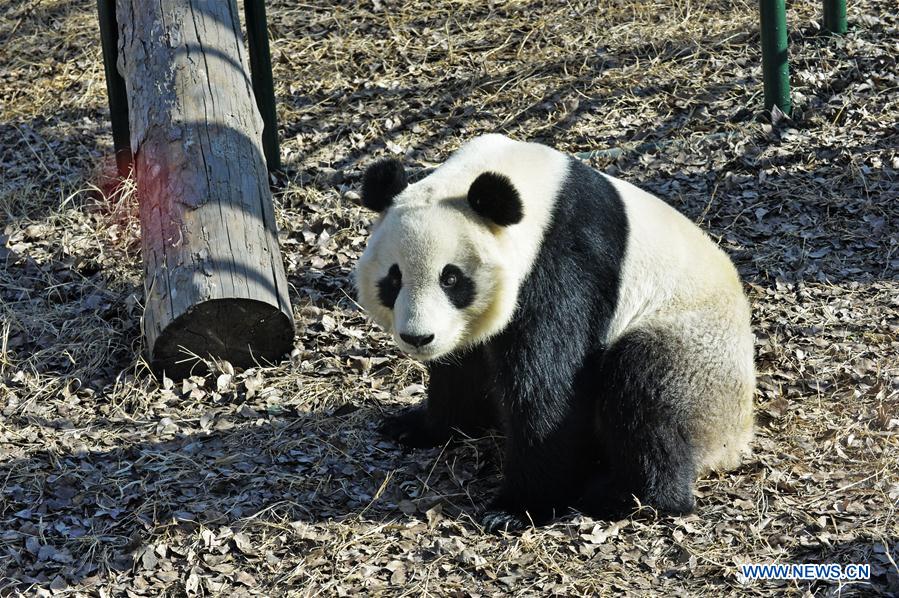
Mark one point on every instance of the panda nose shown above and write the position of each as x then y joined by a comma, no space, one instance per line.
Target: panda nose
417,340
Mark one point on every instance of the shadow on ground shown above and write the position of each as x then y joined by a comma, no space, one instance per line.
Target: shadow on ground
79,513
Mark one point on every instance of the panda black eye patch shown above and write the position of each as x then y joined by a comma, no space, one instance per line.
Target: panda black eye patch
389,286
458,287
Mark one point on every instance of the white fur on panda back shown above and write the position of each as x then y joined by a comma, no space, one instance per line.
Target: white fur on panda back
671,266
675,278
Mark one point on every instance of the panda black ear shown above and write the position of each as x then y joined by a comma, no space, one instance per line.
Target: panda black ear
494,197
383,181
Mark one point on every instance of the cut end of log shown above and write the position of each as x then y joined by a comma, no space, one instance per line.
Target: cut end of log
245,332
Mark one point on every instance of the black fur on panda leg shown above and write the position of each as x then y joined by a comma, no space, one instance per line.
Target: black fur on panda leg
549,443
645,450
548,419
413,428
542,474
458,401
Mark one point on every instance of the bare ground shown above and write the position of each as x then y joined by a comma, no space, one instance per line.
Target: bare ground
273,481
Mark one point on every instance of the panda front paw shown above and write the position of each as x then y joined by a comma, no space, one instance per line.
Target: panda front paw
505,515
495,522
411,428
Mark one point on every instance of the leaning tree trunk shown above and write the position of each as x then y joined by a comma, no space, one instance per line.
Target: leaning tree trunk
215,283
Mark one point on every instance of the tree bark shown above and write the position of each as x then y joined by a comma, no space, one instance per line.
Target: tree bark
214,280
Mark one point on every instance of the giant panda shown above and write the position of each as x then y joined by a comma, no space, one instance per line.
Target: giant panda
602,331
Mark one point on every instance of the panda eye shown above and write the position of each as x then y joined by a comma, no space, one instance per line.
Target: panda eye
448,278
389,286
395,276
459,288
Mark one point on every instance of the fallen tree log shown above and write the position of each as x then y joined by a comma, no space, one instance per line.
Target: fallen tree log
214,280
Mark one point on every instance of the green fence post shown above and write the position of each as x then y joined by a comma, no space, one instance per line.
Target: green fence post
835,16
115,86
263,86
775,66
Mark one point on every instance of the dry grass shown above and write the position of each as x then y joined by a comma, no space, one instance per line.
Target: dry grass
273,481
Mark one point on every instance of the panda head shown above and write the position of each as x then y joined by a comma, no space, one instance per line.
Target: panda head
436,271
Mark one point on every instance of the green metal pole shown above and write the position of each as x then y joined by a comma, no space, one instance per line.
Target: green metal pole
835,16
115,86
775,66
263,85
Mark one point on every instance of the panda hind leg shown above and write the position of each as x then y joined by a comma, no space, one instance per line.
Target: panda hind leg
643,412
